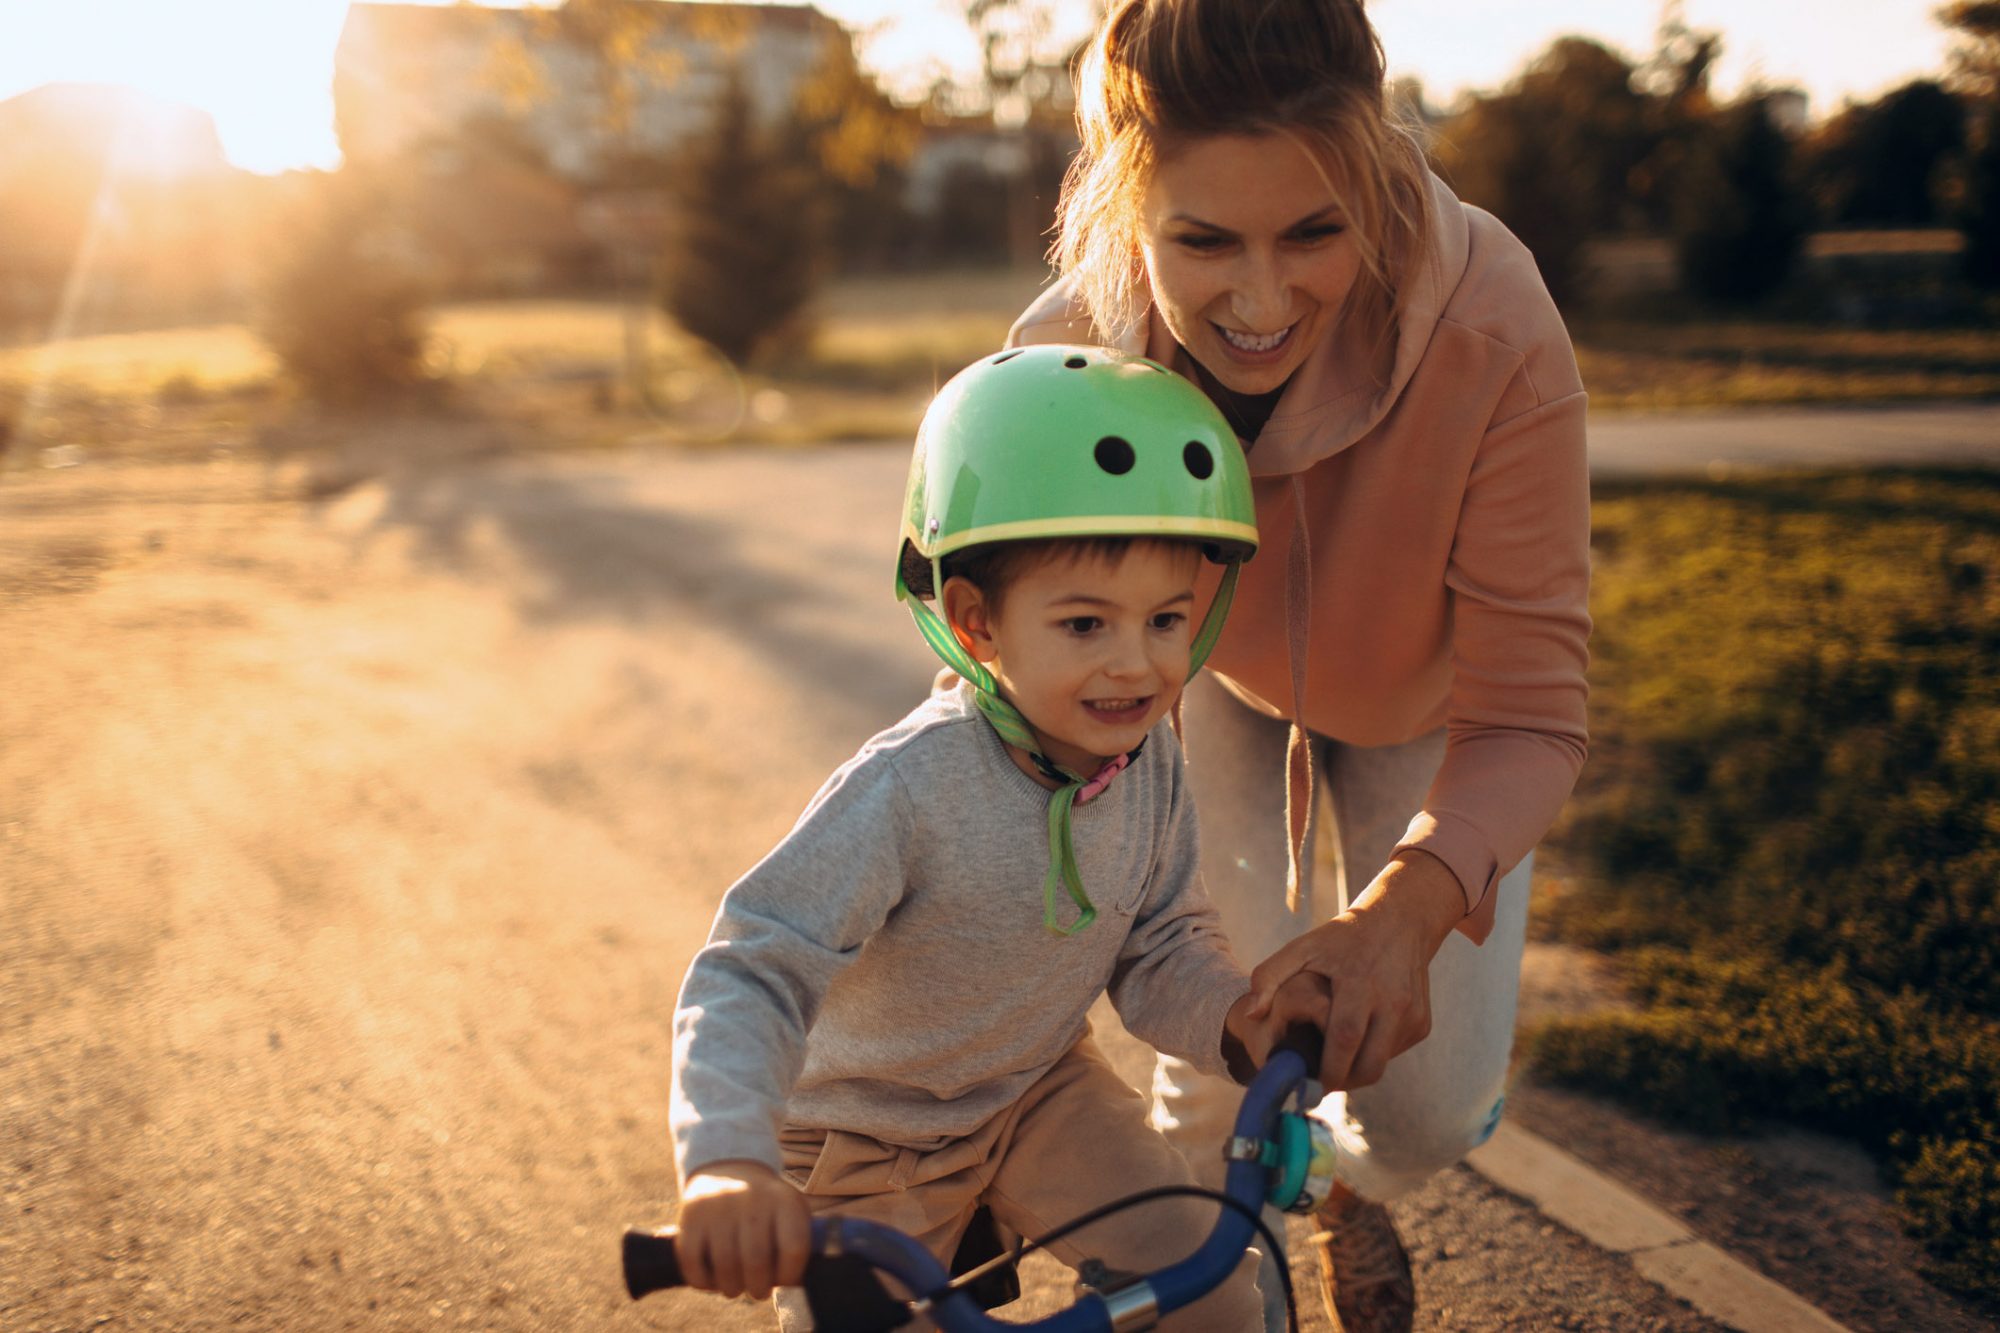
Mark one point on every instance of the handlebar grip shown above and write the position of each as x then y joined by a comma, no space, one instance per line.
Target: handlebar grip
1307,1041
845,1294
652,1261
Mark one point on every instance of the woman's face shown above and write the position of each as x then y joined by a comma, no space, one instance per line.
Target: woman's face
1249,257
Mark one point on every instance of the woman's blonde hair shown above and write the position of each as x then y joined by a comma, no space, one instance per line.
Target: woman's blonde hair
1162,72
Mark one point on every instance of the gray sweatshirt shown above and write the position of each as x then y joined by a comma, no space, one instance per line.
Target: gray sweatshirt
885,969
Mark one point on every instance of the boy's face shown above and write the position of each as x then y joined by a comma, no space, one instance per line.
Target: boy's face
1092,649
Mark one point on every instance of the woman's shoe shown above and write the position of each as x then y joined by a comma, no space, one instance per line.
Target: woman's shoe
1364,1271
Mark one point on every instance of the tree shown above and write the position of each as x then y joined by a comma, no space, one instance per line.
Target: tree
1553,154
1975,186
1975,56
1675,80
860,140
1740,222
1881,164
746,253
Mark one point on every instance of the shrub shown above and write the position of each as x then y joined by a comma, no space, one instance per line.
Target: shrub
342,311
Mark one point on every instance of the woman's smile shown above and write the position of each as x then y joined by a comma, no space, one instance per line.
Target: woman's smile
1256,345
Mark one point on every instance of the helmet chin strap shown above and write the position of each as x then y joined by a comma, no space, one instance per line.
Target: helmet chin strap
1013,728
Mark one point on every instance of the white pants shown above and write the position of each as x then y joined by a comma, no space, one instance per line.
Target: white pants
1441,1098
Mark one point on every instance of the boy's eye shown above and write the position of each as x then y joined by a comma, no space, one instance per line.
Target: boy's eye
1169,620
1081,624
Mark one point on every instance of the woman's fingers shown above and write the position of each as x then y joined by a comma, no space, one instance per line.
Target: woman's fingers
1373,1056
1293,957
1343,1031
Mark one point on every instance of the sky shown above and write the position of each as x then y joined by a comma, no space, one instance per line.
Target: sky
263,68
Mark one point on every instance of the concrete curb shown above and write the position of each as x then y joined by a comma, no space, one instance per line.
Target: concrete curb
1661,1248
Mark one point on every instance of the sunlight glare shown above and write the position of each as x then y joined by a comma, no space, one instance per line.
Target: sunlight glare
262,68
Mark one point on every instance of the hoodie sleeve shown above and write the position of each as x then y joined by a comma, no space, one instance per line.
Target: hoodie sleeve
1175,977
1520,571
782,934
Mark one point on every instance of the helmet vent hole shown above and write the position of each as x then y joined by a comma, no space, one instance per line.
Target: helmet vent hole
1200,462
1077,362
1005,356
1115,455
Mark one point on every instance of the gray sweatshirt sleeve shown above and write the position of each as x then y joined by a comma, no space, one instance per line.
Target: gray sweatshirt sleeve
782,934
1176,977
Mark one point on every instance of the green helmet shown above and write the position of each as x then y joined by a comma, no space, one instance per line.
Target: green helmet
1058,441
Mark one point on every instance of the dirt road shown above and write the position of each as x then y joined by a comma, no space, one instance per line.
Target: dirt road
354,838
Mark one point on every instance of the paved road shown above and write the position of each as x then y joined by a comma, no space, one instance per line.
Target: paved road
1955,434
352,851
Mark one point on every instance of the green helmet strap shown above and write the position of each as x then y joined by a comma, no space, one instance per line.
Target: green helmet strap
1013,728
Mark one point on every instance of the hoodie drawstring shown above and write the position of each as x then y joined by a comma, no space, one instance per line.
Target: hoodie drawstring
1298,751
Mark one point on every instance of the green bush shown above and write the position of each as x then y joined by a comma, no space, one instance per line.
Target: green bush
1791,823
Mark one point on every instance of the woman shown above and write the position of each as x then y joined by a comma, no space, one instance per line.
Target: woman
1245,210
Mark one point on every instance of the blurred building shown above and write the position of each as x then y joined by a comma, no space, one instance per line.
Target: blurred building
587,85
115,205
136,133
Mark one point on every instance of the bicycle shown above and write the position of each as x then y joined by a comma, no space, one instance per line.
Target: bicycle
1277,1156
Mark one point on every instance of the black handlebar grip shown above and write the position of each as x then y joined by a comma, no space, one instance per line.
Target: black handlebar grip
1308,1041
652,1262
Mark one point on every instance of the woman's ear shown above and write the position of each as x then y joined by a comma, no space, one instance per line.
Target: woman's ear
970,614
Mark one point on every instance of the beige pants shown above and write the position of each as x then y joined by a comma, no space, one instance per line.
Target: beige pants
1076,1139
1441,1098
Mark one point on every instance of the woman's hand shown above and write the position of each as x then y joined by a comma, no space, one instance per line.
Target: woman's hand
1301,998
1377,957
744,1230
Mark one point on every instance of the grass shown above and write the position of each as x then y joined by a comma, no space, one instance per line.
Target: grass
1632,365
881,347
1789,831
216,358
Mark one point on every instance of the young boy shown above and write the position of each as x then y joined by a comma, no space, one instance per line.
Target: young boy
889,1020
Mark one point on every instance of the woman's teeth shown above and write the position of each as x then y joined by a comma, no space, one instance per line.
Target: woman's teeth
1251,342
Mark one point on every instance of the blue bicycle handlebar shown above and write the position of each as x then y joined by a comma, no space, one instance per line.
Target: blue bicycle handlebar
651,1264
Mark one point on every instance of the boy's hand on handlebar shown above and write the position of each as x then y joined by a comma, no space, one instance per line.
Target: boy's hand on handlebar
743,1230
1301,998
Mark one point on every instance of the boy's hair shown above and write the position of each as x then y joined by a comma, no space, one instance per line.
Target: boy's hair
992,567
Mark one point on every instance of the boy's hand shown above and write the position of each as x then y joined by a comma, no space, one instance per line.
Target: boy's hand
1301,999
744,1230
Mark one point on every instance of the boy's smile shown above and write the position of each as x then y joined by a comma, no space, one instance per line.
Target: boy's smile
1093,649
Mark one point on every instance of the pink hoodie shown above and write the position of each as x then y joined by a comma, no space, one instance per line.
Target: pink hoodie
1442,572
